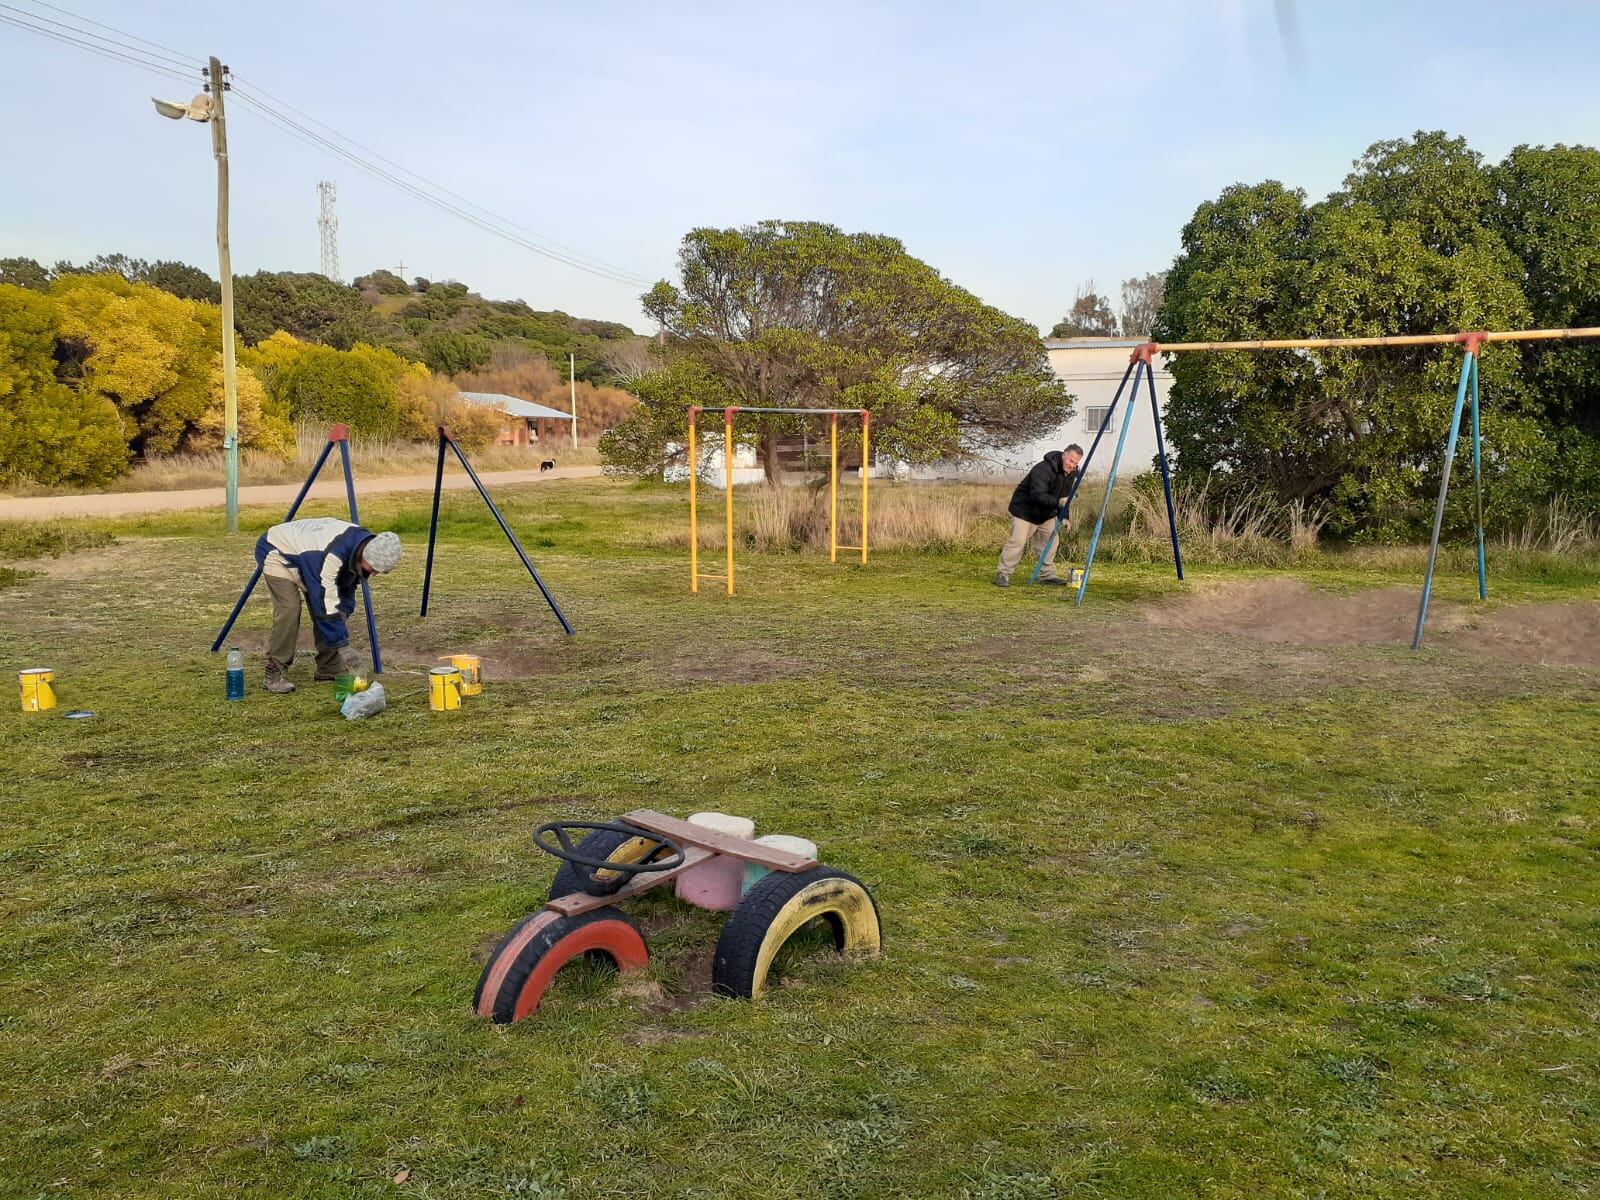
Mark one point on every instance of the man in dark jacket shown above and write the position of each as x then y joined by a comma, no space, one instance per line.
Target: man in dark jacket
1043,495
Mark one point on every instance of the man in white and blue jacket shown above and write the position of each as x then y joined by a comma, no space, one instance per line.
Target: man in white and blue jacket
322,559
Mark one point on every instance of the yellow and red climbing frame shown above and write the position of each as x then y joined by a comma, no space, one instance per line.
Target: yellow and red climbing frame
728,415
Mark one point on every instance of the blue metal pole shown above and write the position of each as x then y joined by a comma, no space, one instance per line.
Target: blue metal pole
433,523
1083,468
1444,489
1477,482
366,588
1166,476
1105,503
515,545
256,578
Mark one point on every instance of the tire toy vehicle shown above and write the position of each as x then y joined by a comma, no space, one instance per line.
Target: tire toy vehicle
617,860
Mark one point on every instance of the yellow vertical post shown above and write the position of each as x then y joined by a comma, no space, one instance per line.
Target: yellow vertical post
694,522
727,455
833,487
866,474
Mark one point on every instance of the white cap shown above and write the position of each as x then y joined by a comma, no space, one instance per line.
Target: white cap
382,553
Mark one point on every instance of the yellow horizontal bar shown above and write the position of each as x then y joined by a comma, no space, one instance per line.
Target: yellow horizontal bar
843,547
710,576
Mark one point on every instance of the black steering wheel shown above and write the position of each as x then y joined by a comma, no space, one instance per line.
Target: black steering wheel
601,876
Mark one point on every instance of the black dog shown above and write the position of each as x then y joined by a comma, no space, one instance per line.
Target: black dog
548,464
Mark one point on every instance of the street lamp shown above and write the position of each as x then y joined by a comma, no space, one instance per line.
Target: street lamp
207,107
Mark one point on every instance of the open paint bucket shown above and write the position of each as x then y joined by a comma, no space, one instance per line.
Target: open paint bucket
444,689
37,692
471,672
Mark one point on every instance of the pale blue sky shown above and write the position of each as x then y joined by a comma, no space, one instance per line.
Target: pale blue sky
1020,148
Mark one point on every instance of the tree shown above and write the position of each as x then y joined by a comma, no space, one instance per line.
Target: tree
451,353
1142,297
359,387
185,282
49,433
629,360
311,307
385,283
24,273
801,314
1361,431
1089,316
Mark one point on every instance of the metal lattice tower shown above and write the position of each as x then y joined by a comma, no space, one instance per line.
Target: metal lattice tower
328,226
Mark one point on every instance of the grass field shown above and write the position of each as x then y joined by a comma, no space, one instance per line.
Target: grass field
1168,911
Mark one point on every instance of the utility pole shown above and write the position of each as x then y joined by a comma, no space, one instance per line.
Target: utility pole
572,374
217,86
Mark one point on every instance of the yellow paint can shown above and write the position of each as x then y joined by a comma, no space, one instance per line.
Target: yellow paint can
444,689
37,694
471,672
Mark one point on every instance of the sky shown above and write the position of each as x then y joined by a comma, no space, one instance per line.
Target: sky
1022,149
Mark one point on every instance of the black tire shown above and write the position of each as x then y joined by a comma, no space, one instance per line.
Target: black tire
522,965
602,843
777,906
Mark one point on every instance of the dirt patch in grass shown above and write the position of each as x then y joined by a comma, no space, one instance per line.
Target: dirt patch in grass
1566,634
712,662
1287,610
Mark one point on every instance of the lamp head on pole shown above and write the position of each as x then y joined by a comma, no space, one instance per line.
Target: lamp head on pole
198,109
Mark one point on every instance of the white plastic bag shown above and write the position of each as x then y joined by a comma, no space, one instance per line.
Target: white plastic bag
364,704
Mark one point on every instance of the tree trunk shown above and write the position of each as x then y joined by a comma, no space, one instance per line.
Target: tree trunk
769,451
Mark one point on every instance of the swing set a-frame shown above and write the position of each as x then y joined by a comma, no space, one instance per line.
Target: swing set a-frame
1140,371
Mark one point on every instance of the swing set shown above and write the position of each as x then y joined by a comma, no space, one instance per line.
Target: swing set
728,414
1141,371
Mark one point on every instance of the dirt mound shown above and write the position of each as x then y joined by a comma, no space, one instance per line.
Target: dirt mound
1287,610
1567,634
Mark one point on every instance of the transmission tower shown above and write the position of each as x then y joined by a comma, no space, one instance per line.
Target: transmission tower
328,226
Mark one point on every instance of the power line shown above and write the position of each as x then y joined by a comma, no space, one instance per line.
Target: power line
116,56
169,62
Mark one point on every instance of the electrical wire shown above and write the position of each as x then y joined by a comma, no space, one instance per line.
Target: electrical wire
116,56
171,63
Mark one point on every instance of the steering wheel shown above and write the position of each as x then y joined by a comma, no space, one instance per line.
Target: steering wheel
603,876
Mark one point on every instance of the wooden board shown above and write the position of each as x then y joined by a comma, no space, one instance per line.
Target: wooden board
688,835
582,902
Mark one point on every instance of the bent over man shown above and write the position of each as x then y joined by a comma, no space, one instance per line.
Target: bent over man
322,559
1044,493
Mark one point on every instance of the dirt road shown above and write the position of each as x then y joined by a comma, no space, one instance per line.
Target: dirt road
330,486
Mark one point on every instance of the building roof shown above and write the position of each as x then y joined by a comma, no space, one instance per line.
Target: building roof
1094,343
515,407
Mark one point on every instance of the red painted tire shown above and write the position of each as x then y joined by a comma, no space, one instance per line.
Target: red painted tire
520,969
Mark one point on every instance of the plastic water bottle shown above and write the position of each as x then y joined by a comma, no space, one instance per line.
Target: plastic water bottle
235,673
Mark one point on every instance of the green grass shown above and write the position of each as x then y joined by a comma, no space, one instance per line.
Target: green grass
1166,914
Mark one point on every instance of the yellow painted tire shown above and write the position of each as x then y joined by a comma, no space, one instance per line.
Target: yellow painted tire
602,843
777,906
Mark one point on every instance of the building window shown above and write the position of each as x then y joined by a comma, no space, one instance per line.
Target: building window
1097,419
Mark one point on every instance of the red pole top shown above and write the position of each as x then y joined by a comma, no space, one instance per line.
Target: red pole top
1473,341
866,417
694,411
727,414
444,432
1143,352
339,433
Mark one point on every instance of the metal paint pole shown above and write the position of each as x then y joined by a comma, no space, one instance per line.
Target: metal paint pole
1477,479
833,488
1083,469
433,521
1166,476
727,462
1444,490
866,474
511,537
289,516
694,522
366,587
1111,481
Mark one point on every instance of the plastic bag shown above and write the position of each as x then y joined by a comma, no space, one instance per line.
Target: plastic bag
364,704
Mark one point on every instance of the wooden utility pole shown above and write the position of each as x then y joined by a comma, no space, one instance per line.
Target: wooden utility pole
572,375
230,391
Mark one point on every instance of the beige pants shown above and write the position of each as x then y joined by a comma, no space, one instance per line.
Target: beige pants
1023,532
287,601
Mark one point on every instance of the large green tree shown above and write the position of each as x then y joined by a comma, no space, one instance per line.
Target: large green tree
1409,245
311,307
801,314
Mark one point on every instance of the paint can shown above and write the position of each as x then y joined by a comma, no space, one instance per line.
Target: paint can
471,672
714,884
444,689
37,694
755,872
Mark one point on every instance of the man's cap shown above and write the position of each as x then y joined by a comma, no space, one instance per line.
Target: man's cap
382,553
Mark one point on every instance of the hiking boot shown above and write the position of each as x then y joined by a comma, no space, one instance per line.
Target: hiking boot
1054,581
1001,581
278,679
